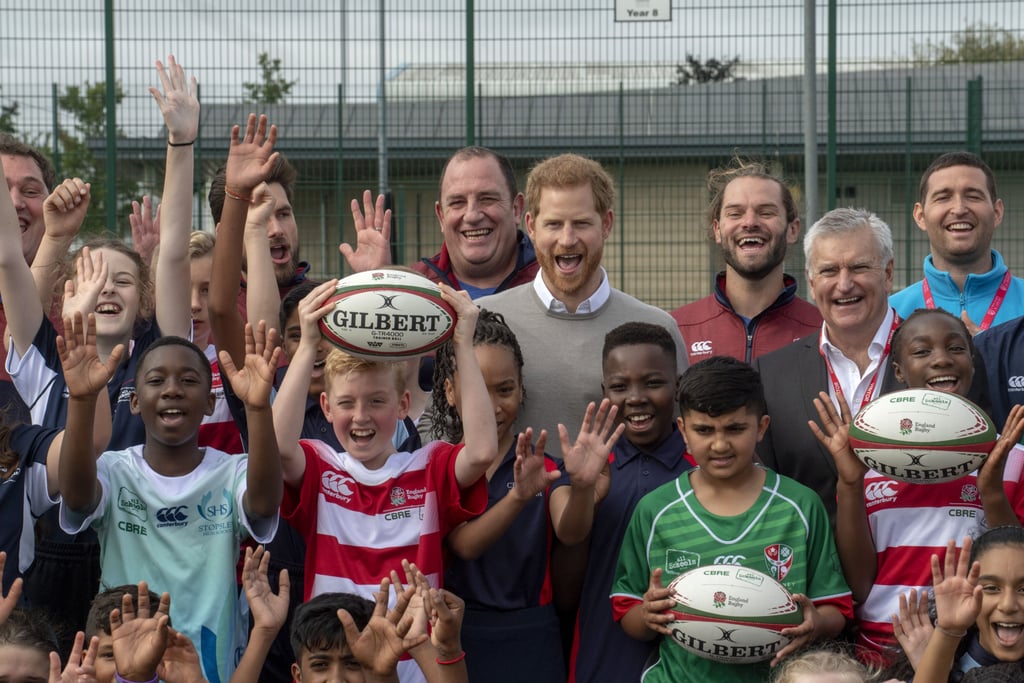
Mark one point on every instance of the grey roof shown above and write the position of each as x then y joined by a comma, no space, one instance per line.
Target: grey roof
677,121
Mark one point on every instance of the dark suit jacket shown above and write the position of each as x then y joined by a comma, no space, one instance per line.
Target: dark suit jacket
792,377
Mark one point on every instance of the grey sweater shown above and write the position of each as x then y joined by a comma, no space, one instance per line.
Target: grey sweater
562,354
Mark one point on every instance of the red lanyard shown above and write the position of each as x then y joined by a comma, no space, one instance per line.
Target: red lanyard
993,308
870,391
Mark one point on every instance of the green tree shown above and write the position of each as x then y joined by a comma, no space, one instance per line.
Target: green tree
976,43
7,114
86,106
272,87
711,71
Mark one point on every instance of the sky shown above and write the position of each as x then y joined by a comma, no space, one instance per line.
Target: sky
322,43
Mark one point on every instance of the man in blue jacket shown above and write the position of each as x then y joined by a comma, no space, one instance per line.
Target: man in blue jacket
959,210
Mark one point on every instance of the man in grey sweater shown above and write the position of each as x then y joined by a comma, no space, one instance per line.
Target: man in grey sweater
561,318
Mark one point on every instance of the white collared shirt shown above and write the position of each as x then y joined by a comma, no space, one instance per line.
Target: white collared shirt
853,383
592,303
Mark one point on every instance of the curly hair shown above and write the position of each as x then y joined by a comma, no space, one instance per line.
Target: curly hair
491,329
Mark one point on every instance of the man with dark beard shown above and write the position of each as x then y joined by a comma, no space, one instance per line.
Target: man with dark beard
754,308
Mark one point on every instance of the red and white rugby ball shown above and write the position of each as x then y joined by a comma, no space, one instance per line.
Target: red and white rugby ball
731,614
388,315
922,436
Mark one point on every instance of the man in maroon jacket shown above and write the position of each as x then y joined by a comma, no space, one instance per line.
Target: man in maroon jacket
754,308
479,210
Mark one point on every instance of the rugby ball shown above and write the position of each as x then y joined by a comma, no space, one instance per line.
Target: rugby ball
922,436
388,315
732,614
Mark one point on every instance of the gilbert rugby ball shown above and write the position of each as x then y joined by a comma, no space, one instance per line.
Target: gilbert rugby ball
388,315
732,614
922,436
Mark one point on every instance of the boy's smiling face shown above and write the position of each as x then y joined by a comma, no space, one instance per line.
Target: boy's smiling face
723,446
364,406
640,379
172,394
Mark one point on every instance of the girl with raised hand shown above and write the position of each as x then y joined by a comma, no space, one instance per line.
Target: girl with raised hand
979,603
503,569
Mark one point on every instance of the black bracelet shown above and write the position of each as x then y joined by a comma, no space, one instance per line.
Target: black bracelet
181,144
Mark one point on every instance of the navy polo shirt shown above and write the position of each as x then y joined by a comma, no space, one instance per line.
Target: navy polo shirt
1000,347
17,507
515,572
603,651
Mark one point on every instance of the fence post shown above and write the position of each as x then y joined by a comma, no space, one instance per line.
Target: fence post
111,117
621,228
339,178
974,114
197,167
810,114
830,170
908,182
470,77
56,130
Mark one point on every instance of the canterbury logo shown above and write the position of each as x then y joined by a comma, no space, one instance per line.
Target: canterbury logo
1015,382
701,347
879,490
729,559
173,514
337,483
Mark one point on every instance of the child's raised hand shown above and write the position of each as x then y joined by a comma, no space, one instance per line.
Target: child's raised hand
834,434
81,666
84,373
180,663
657,600
139,638
64,210
269,610
178,102
311,309
531,475
373,235
82,292
466,313
585,459
145,228
386,636
260,211
254,381
990,476
911,626
8,602
957,593
251,156
446,610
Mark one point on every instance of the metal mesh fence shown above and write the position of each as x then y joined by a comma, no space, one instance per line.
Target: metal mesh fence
911,79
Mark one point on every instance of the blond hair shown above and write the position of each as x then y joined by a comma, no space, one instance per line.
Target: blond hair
824,661
341,364
200,243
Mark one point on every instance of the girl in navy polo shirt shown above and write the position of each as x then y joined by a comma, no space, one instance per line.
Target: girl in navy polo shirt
503,569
